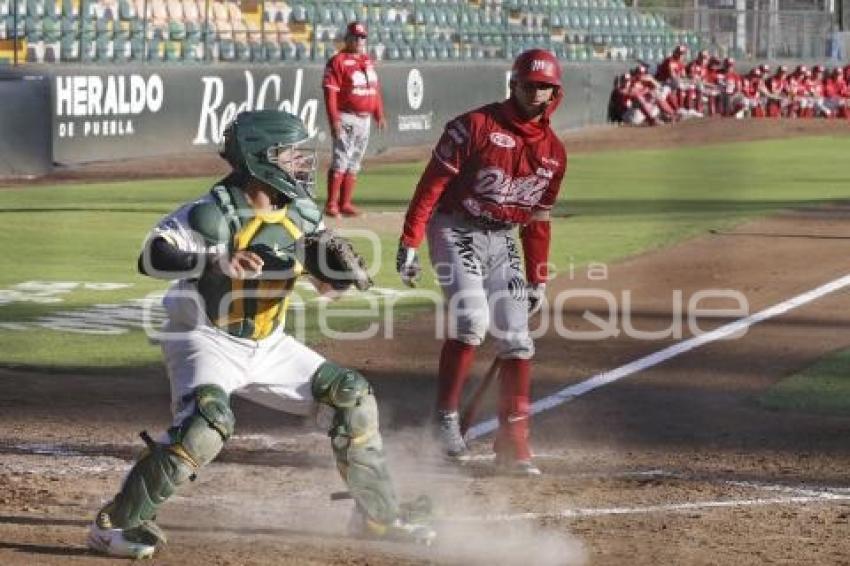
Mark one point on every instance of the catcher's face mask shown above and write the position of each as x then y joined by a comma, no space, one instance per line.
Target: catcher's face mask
296,161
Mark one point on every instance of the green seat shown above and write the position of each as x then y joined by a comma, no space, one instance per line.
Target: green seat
68,49
103,49
34,8
243,51
271,51
172,51
126,10
103,28
191,49
137,49
33,29
176,30
121,49
51,29
156,49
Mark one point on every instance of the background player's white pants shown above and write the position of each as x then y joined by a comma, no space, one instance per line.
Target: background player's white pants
274,372
350,146
480,272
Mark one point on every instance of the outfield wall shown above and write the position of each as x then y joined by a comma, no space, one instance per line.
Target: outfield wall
100,114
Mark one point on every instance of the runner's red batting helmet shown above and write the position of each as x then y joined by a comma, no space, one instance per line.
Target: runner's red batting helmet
537,66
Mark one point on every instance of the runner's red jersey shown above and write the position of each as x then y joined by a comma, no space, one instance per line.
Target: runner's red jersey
352,76
496,173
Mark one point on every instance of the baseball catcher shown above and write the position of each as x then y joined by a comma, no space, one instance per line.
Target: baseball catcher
236,254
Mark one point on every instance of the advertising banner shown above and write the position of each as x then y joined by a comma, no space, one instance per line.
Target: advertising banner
107,113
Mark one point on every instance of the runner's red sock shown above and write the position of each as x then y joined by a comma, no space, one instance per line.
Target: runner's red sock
455,361
514,410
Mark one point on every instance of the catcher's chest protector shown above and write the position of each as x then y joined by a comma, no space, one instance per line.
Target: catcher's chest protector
254,308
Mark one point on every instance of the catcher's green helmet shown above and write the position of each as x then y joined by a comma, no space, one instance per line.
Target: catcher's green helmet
265,145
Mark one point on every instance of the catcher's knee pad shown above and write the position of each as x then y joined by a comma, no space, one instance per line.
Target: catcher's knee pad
163,467
356,439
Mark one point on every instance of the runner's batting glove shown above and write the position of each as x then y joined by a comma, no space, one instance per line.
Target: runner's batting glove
407,265
536,297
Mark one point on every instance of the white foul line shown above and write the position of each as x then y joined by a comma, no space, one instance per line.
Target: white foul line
569,393
640,510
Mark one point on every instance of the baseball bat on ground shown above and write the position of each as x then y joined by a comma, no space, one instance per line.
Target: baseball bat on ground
471,408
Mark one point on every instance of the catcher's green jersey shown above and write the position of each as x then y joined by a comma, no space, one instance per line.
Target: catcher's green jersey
224,221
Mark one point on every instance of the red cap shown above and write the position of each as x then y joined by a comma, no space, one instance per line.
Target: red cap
537,66
356,29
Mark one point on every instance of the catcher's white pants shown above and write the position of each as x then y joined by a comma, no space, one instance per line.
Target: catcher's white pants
274,372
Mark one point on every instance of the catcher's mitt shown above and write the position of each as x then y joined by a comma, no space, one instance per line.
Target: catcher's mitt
330,258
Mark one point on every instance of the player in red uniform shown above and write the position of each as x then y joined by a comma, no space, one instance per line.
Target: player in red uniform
671,73
731,85
816,92
835,93
494,168
695,71
752,87
648,106
352,99
777,96
712,76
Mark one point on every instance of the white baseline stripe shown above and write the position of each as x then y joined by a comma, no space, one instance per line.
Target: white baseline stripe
568,393
689,506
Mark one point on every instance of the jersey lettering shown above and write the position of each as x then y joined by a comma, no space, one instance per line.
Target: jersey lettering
493,184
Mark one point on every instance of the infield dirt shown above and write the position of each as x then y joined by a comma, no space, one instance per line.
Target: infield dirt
687,432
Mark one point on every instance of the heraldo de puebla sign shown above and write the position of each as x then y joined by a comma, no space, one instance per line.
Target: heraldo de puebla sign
101,116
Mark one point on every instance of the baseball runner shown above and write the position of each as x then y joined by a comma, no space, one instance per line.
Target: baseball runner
236,254
494,168
352,99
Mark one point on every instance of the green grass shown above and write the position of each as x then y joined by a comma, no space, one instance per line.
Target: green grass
823,388
613,205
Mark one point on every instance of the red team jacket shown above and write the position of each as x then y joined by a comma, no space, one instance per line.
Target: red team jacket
351,85
496,169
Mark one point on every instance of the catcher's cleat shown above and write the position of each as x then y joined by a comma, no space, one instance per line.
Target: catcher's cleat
399,530
349,210
448,432
138,542
519,468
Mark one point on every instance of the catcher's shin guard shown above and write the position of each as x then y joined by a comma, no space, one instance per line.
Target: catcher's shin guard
356,440
163,467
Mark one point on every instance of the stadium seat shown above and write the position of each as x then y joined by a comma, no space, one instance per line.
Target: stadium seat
121,49
136,50
156,49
